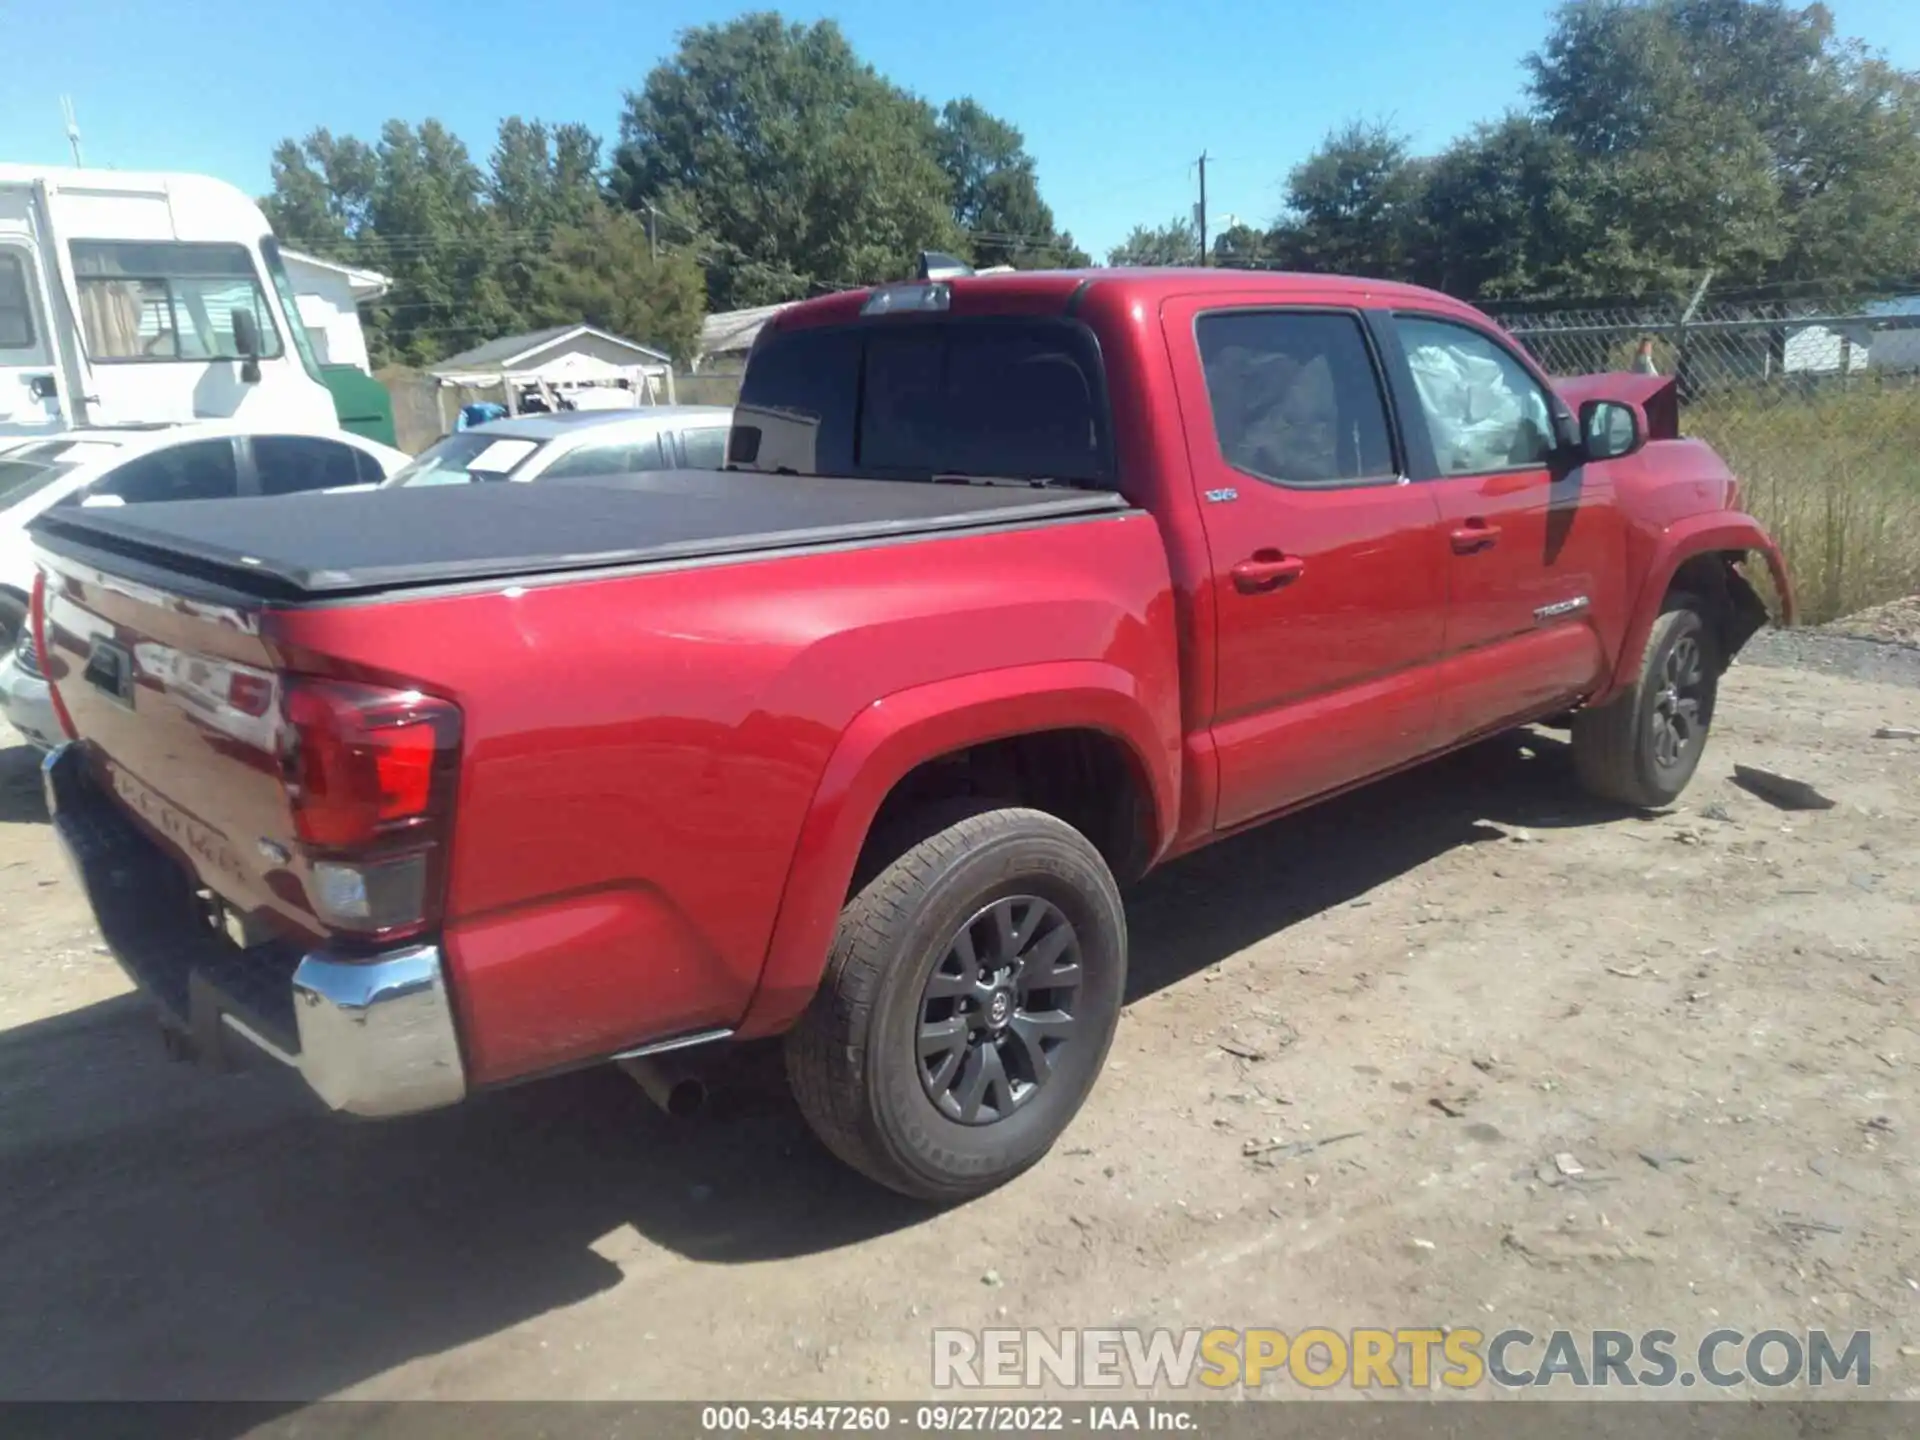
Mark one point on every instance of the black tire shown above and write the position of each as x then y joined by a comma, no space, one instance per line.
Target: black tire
13,618
1642,748
855,1059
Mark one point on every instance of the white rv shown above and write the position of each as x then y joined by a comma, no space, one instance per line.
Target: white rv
145,299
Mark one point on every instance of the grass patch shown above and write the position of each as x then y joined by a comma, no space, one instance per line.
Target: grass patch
1834,475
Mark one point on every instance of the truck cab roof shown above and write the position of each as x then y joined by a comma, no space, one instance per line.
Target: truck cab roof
1058,291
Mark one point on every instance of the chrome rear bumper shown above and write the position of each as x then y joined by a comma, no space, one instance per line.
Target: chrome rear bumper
371,1035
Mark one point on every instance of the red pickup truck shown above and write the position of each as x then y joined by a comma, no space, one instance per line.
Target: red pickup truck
1016,587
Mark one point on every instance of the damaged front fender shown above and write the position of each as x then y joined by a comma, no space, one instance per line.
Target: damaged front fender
1710,549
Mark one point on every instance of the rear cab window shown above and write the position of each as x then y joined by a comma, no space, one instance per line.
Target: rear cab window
1019,398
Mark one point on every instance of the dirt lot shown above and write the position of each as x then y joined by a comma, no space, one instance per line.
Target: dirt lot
1709,1015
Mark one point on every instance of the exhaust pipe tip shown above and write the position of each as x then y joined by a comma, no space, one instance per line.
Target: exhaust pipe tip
687,1098
679,1093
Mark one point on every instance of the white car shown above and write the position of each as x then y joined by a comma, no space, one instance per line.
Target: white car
208,460
215,459
577,442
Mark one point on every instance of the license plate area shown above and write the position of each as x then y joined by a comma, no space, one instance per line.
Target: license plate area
110,671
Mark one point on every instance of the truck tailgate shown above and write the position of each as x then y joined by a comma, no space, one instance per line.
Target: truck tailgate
176,700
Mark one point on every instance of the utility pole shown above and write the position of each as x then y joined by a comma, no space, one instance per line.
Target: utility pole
73,129
653,233
1200,210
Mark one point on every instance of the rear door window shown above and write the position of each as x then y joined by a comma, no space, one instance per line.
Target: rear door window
290,464
1009,399
619,458
203,470
706,449
467,456
1296,399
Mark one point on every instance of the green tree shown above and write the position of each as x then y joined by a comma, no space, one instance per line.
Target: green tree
603,271
1242,247
1353,206
430,230
1737,134
1510,211
322,188
540,180
1174,243
787,161
996,195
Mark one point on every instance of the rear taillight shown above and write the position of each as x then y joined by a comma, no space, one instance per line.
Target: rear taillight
371,774
37,624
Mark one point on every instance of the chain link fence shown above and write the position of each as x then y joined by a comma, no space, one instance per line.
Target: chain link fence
1814,402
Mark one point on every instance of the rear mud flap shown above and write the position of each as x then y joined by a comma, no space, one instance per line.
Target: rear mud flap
1746,614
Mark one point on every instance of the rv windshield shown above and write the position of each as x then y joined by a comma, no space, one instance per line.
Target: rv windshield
153,300
289,302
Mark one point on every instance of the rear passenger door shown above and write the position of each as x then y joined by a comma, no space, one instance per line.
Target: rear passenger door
1534,545
1327,580
198,470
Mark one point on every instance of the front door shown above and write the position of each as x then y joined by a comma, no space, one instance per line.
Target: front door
29,388
1534,544
1328,582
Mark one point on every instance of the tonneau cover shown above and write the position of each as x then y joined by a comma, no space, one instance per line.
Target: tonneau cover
319,545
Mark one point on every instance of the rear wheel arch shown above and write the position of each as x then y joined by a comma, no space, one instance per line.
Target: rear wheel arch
912,759
1085,777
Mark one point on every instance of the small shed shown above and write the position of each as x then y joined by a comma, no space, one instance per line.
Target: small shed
575,365
329,296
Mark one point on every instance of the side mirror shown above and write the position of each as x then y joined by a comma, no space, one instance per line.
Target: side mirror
246,340
743,445
1608,429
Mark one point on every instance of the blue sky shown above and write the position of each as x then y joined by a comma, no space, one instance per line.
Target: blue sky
1116,97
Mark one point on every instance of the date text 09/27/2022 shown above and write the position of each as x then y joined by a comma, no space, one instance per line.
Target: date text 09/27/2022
958,1419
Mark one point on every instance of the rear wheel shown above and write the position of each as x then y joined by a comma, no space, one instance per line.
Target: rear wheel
967,1007
1643,748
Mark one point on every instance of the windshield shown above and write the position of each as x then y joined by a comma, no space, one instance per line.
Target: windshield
290,303
32,468
466,457
1011,399
154,301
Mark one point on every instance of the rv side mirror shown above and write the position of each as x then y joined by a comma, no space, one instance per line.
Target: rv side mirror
246,340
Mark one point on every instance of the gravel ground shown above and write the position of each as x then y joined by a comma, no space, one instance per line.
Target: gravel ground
1897,620
1459,1049
1884,662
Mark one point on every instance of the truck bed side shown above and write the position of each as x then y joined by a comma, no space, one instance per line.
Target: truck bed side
640,750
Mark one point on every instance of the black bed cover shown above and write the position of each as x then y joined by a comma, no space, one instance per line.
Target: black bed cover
319,546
